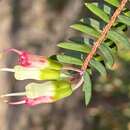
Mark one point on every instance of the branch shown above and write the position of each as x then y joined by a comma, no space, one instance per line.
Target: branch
103,34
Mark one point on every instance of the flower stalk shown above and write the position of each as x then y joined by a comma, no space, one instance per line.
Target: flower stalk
47,92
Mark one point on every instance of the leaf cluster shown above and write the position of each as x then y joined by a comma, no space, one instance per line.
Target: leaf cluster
91,27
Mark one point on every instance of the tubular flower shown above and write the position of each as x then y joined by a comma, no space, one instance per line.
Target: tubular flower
41,68
27,59
22,73
48,92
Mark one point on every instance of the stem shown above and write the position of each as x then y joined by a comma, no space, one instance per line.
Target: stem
103,34
72,68
78,84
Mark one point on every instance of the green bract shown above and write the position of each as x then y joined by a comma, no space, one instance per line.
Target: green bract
52,64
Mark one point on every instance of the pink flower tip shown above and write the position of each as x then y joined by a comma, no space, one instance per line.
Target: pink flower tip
26,59
23,56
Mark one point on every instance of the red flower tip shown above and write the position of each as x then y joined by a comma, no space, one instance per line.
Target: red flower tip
26,59
23,56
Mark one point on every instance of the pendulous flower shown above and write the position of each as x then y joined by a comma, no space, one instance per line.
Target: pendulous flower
42,68
47,92
22,73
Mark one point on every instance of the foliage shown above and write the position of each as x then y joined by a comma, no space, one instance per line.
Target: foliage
91,27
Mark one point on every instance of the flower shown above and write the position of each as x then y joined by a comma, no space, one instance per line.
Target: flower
27,59
22,73
47,92
35,67
42,68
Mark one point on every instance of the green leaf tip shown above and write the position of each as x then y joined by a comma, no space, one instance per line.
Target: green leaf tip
87,88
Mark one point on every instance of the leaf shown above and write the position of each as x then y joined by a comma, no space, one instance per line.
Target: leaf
97,26
69,60
116,4
112,47
99,67
121,27
87,88
97,11
107,54
75,47
124,19
86,29
93,63
93,22
113,2
127,13
120,39
107,9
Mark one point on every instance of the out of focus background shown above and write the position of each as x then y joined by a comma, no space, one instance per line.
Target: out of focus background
37,26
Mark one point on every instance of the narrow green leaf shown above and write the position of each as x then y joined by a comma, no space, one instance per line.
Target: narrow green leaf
127,13
107,54
120,39
113,2
97,11
116,4
124,19
72,60
96,24
93,22
87,88
75,47
111,46
107,9
86,29
121,27
99,67
69,60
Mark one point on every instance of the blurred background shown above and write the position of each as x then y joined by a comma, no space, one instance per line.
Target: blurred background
37,26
